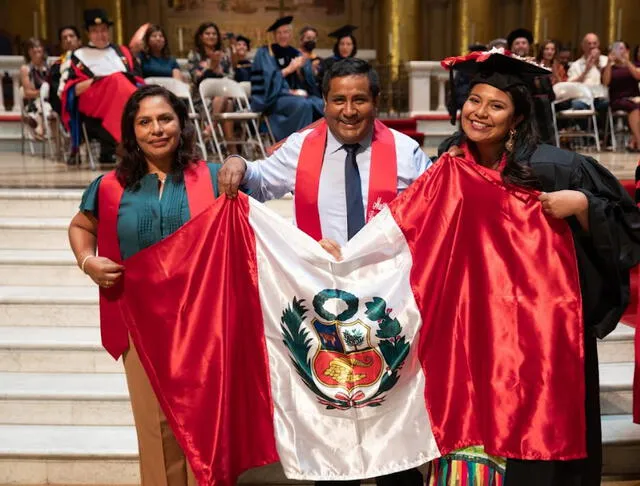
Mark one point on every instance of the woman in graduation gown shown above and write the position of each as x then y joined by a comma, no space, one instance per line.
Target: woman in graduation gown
499,132
345,46
156,188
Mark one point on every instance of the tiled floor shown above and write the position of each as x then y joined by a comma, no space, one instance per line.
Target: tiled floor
18,170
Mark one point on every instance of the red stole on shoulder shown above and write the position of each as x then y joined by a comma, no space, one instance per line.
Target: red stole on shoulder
197,179
383,176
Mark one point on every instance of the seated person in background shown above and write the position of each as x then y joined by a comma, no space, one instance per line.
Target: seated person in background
520,41
588,70
136,44
273,80
345,46
622,75
155,58
547,57
101,80
498,43
241,64
564,58
33,75
69,37
311,73
208,60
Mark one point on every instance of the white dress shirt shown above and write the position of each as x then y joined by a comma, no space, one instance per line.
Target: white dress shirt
275,176
593,78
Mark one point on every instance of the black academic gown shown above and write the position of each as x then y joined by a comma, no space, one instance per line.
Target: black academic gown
605,255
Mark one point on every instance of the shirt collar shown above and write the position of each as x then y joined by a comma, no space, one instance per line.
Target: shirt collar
333,145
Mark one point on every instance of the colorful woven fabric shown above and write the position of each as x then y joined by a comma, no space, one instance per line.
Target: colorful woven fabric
467,467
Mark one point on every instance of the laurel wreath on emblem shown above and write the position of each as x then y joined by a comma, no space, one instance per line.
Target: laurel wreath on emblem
393,346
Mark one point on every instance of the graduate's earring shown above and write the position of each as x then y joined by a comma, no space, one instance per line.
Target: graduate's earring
511,140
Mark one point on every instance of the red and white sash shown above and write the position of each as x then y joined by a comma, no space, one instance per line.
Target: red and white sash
197,179
383,176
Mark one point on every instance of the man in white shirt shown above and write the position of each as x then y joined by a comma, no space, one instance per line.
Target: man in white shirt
588,70
343,165
351,89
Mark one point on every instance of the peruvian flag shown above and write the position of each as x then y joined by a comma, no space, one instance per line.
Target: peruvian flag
454,320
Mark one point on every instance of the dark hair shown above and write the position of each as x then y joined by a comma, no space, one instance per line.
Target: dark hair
336,50
543,46
198,41
32,43
152,29
636,51
133,165
307,28
351,66
518,171
68,27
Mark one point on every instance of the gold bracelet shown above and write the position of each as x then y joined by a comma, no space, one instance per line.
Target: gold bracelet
84,260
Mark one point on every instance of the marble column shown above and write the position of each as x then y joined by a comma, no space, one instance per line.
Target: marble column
398,32
475,23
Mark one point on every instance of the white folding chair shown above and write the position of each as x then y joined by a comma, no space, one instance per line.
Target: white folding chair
183,91
568,91
271,140
227,88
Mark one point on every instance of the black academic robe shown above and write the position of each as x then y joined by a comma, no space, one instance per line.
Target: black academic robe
605,256
284,56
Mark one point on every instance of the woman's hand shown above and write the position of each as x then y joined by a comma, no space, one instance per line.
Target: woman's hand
562,204
332,247
103,271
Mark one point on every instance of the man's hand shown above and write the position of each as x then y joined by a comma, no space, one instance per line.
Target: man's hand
230,176
298,62
331,247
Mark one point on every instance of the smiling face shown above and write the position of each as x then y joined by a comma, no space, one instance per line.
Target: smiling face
241,48
549,52
283,35
487,115
209,37
99,35
157,128
521,46
350,108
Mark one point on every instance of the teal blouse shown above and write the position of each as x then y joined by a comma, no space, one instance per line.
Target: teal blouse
143,218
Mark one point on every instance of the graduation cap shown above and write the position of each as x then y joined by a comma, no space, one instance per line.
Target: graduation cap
96,16
280,22
344,31
517,34
241,38
497,68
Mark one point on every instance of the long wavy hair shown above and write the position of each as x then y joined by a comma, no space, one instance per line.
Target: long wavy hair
133,166
543,46
197,40
165,53
517,171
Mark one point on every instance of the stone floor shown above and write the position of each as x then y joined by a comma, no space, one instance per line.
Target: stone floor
18,170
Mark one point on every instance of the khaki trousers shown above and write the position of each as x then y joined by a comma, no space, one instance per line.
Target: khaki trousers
162,462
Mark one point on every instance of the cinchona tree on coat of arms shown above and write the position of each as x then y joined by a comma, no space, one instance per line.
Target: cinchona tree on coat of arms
345,370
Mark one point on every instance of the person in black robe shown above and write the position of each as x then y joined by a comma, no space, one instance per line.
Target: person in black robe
345,46
242,65
605,252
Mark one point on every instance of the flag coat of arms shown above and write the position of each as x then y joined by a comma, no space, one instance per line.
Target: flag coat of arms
453,320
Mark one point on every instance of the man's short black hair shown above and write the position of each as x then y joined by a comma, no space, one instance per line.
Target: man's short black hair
352,66
68,27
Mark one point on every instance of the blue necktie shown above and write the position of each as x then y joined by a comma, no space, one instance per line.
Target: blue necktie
355,207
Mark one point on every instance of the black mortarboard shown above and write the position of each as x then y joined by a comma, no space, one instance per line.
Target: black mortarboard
96,16
477,48
516,34
495,68
344,31
280,22
243,39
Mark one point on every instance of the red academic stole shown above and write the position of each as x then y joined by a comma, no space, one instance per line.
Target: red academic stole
197,179
383,176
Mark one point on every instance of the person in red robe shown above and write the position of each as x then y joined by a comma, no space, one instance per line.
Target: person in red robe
101,80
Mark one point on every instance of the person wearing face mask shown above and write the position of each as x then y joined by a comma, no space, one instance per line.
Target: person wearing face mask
275,83
101,80
310,74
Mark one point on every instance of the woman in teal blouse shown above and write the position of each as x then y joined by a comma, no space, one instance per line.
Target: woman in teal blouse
155,58
156,196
